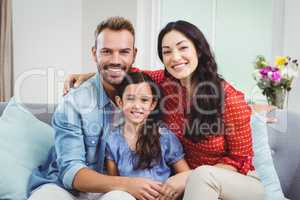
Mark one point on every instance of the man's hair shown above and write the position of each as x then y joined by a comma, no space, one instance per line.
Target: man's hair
116,24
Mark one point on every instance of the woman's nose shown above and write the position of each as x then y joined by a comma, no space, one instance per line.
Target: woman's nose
175,56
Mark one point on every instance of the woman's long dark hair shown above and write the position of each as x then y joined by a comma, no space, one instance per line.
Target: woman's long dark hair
148,148
207,98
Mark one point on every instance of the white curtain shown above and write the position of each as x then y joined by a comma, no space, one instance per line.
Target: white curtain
6,50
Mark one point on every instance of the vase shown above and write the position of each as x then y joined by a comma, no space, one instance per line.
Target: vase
277,98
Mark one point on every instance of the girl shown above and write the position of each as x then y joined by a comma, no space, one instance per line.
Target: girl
141,147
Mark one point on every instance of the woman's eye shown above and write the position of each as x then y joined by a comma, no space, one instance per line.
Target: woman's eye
183,48
166,52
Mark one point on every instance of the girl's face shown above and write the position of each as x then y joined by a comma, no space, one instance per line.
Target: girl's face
137,102
179,55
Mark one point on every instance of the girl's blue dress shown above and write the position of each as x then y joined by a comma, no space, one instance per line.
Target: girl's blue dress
117,149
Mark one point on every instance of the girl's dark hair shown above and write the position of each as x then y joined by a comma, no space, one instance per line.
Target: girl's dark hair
148,148
207,99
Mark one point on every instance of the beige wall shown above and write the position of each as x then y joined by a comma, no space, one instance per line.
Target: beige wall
47,44
53,39
93,12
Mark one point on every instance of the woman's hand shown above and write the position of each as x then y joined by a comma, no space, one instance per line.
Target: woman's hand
75,80
224,166
177,183
168,192
257,108
144,189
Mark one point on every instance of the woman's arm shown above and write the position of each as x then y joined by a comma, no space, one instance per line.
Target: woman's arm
75,80
175,185
225,166
112,168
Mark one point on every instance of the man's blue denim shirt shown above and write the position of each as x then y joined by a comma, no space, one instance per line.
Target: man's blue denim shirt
81,123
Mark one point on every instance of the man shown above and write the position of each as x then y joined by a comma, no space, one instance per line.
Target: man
74,168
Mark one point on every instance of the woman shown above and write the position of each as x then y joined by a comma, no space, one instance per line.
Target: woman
208,115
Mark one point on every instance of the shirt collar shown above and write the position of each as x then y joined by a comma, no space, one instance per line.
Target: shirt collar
103,99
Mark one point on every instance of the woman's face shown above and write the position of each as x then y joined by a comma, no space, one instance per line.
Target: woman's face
179,55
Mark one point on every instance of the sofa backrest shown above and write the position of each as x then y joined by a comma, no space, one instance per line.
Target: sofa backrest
42,111
284,146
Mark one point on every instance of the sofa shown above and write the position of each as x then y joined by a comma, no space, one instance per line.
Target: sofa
283,142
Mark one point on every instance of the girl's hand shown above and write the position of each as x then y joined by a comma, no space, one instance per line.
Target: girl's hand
144,189
75,80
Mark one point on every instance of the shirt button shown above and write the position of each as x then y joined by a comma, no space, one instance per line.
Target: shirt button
93,141
272,152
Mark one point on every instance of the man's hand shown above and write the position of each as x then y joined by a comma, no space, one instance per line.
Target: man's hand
144,189
75,80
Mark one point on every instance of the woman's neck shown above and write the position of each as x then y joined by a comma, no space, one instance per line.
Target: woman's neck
187,84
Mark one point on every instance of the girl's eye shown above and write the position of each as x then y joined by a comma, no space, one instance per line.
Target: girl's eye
145,100
130,98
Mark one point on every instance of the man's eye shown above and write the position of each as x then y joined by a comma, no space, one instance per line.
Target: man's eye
124,52
104,51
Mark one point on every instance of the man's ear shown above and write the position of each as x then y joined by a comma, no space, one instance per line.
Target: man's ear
119,102
134,54
94,53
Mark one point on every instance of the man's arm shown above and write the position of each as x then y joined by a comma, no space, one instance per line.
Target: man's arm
88,180
112,168
71,160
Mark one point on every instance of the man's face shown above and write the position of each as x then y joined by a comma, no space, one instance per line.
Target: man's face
114,55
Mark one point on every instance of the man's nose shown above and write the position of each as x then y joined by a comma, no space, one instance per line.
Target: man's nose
115,58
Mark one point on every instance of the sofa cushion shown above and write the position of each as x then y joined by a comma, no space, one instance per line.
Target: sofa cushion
262,160
24,144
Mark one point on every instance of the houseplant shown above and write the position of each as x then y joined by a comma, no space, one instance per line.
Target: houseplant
275,80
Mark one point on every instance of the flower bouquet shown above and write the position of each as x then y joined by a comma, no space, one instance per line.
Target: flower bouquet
275,81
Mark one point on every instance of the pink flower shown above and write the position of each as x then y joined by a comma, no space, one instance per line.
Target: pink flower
270,73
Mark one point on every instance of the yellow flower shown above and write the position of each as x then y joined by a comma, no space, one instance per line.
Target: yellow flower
281,60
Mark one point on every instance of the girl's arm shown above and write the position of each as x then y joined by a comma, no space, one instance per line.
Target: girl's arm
112,169
180,166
